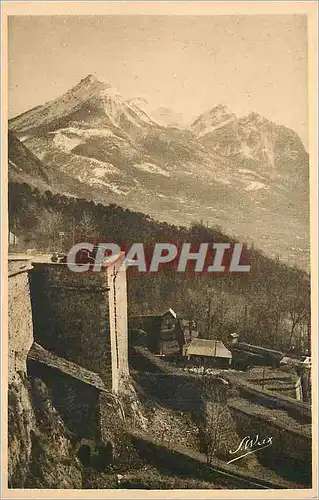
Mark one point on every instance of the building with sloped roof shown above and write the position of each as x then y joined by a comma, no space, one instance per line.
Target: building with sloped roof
208,352
163,332
245,355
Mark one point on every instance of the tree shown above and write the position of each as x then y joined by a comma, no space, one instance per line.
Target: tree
298,308
47,230
87,227
216,408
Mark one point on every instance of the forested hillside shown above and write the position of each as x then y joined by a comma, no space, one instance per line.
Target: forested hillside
270,305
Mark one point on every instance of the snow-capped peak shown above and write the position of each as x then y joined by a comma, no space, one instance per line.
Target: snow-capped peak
255,118
215,118
89,79
90,99
89,83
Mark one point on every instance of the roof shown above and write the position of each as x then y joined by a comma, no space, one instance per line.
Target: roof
41,355
145,316
154,316
258,350
203,347
170,311
147,323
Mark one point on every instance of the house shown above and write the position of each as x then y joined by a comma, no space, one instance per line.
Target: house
209,353
12,239
163,332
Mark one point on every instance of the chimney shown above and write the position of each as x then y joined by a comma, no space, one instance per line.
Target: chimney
234,337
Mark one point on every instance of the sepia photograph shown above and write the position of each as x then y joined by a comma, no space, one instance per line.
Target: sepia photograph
159,178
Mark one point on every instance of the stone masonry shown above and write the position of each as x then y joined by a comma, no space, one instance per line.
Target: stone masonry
19,316
83,317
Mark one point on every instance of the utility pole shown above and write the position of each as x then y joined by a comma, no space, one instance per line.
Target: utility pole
309,334
73,232
61,234
245,317
209,316
263,381
215,352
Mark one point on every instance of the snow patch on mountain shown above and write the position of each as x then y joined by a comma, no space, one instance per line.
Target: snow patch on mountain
12,164
87,133
112,187
211,120
139,112
249,172
151,168
99,180
64,142
256,186
245,151
212,128
106,168
116,189
110,92
180,199
167,117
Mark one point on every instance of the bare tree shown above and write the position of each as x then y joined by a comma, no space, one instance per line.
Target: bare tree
48,228
299,308
87,227
215,411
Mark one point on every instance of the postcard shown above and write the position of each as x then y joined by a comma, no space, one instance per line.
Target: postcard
159,249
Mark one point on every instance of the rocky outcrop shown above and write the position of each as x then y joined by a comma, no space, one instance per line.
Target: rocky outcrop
40,449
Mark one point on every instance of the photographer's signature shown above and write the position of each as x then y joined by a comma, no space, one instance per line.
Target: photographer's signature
250,445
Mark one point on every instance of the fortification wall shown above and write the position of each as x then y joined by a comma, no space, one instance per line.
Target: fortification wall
83,317
20,329
290,452
297,409
29,404
116,277
71,316
77,403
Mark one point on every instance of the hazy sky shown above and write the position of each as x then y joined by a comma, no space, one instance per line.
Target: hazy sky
250,63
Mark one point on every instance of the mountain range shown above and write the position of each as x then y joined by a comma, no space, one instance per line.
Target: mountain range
245,174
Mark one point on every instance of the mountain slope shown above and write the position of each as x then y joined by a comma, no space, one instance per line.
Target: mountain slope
25,167
92,101
253,142
22,162
248,175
